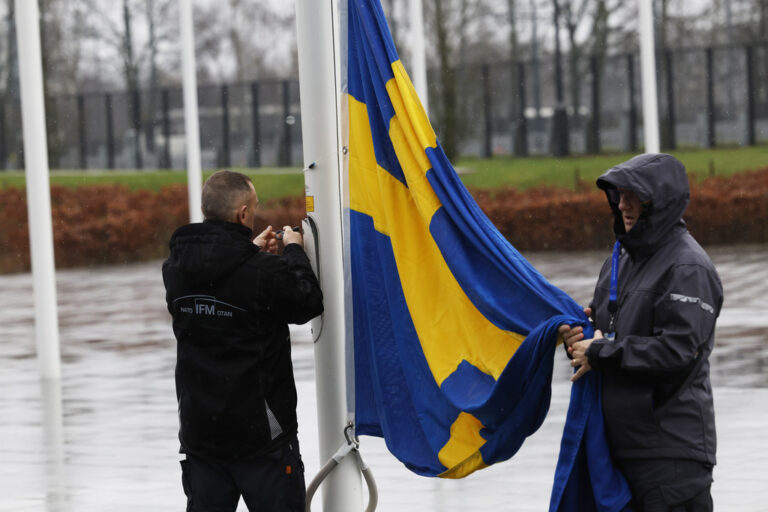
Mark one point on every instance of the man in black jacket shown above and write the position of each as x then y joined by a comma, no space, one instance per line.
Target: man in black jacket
654,309
231,300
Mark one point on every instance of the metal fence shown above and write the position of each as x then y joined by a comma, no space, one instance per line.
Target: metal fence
241,125
707,97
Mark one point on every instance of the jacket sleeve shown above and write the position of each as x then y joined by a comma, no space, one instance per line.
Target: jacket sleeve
683,324
291,288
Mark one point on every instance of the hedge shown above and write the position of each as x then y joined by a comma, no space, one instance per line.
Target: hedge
106,224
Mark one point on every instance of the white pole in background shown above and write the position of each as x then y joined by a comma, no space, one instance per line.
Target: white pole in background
418,52
38,188
191,122
648,73
317,25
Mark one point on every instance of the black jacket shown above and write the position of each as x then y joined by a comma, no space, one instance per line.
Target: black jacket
657,397
231,306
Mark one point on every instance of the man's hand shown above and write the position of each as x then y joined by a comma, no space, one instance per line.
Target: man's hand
292,237
266,241
579,353
573,334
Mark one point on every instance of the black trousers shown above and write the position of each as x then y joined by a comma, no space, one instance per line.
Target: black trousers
668,485
271,483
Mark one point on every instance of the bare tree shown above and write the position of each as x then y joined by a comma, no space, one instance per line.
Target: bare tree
226,42
158,36
447,114
574,14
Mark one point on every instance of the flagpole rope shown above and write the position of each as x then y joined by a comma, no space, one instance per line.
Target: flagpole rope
352,445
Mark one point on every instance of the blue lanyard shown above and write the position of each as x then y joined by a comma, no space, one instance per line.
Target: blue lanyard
613,304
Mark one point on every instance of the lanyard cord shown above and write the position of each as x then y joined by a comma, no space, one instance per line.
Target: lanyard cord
613,304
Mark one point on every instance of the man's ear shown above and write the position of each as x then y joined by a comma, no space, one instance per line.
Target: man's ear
240,215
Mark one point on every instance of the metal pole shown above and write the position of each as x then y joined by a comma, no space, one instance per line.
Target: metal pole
255,125
3,150
165,99
750,96
136,124
82,132
710,78
317,24
560,131
648,76
632,128
535,62
595,125
671,118
521,131
191,121
38,193
110,132
285,159
224,156
485,78
418,52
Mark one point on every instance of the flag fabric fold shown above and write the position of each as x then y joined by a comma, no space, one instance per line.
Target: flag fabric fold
454,331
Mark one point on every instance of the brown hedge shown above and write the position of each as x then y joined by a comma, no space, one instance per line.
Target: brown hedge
104,224
722,211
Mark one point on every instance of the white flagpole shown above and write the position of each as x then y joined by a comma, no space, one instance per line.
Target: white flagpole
648,72
191,122
38,188
418,52
317,25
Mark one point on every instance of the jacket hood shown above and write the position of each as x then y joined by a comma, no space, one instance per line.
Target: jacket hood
661,183
210,251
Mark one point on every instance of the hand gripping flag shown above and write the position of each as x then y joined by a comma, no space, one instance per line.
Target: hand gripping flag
454,331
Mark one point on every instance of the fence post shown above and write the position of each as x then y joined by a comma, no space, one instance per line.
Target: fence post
632,128
110,132
671,142
594,132
710,98
136,121
3,147
255,125
485,78
166,106
81,132
521,133
285,159
224,160
751,139
560,131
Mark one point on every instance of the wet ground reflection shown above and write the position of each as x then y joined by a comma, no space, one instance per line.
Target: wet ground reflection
103,438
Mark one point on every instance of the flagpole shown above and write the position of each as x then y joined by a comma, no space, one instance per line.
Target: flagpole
317,24
191,122
38,189
418,52
648,73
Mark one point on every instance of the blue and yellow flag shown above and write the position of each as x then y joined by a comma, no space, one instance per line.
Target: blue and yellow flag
454,330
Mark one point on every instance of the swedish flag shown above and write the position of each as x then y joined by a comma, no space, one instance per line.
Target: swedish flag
454,330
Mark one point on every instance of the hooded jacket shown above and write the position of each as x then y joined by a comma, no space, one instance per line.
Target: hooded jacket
656,394
231,306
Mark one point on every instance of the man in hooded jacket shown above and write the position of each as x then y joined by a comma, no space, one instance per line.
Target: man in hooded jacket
231,300
654,310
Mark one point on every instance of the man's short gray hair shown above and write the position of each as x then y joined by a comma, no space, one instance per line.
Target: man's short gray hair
223,193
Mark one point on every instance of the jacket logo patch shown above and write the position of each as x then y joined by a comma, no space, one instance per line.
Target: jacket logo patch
206,305
694,300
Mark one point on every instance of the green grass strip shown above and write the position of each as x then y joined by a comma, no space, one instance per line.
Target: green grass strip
488,173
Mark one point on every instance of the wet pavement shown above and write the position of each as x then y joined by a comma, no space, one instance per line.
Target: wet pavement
104,437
